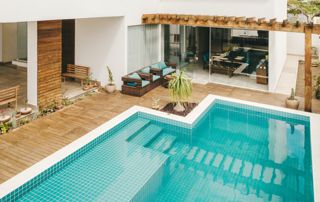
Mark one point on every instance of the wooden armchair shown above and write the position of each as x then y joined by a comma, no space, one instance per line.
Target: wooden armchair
9,95
162,72
135,86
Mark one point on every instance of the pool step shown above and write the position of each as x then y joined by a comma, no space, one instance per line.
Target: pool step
140,178
134,127
212,165
163,142
146,135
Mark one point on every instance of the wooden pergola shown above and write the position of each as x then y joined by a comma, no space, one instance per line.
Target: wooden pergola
251,24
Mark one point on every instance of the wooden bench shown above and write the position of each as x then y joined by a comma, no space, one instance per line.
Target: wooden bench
9,95
76,72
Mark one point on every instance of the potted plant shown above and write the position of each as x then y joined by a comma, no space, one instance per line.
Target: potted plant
26,109
4,128
110,87
4,117
87,83
292,102
180,88
316,87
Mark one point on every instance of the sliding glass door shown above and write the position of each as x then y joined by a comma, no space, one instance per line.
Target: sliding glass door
226,56
188,47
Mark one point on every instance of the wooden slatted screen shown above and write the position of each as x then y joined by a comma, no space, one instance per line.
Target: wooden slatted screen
49,62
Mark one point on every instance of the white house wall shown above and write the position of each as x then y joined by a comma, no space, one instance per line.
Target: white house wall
100,42
38,10
32,71
296,43
277,57
248,8
0,42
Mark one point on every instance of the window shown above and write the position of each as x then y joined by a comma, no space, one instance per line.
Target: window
143,46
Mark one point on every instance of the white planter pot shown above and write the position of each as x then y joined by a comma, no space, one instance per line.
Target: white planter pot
110,88
292,104
25,110
4,118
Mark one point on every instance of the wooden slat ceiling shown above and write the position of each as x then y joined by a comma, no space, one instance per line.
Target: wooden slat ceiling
229,22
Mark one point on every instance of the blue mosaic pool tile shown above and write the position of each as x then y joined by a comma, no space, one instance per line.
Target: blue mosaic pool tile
22,190
208,159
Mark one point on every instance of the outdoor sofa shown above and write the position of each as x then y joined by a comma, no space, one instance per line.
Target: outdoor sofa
142,81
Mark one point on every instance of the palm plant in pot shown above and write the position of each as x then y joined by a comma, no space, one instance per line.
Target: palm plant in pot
180,88
110,87
292,102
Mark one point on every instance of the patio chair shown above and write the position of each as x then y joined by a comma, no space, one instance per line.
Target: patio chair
76,72
162,69
9,95
136,84
154,79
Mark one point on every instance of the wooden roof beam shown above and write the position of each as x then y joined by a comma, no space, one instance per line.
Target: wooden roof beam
261,21
240,19
285,23
250,20
272,22
228,22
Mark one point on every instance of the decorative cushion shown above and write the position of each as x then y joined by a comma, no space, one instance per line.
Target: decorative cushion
167,71
155,77
134,76
162,65
145,83
155,66
145,70
132,84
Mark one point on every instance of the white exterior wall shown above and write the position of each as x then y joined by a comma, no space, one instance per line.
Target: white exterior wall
74,9
248,8
296,43
0,42
277,57
100,42
32,79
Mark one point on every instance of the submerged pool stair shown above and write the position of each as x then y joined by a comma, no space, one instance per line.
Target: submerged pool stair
235,171
146,135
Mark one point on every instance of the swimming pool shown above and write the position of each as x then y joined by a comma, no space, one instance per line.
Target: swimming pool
225,150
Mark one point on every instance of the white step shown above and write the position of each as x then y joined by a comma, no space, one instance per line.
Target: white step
217,160
256,174
247,169
208,158
145,136
163,142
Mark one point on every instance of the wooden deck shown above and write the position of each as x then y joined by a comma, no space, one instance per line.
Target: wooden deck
35,141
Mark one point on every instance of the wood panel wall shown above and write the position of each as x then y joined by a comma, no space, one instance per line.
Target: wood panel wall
49,62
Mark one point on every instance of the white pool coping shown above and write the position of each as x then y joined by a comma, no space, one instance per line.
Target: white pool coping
26,175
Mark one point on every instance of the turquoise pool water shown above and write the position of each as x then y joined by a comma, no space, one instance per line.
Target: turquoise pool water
232,153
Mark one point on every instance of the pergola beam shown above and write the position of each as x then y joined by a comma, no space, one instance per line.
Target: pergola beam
229,22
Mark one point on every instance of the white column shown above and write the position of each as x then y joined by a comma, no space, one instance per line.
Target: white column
32,78
277,57
0,42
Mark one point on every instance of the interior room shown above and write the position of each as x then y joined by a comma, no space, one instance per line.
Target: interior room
227,56
13,58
